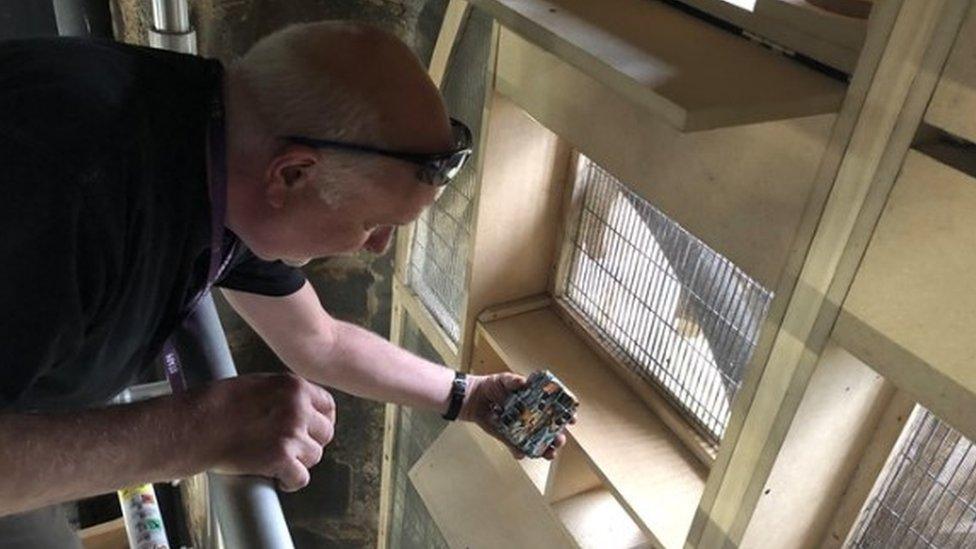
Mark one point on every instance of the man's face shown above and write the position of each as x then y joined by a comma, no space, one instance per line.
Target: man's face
365,219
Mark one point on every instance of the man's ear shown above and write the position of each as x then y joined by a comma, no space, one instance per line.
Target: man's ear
289,170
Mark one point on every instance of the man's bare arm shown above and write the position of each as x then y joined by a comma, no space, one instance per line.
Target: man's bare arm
274,426
349,358
342,355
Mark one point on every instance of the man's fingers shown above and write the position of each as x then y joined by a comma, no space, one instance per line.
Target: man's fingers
321,429
309,452
294,476
553,449
559,441
511,381
322,401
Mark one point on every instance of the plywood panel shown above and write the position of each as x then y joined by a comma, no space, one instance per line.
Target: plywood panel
691,74
834,423
953,106
910,311
480,498
517,217
638,458
596,521
744,201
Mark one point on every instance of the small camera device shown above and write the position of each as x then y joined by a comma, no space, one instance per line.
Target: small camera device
534,415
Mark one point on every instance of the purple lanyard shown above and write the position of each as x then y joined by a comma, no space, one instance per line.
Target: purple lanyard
217,172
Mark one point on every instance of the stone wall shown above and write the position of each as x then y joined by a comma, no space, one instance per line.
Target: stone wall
339,509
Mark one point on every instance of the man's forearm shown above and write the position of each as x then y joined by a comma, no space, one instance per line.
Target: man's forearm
49,458
366,365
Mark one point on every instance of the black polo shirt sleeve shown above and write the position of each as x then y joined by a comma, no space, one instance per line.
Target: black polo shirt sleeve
248,273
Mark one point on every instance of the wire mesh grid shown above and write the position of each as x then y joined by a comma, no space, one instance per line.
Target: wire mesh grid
439,252
411,526
927,496
677,313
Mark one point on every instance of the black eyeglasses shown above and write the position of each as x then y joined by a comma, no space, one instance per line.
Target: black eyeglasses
435,169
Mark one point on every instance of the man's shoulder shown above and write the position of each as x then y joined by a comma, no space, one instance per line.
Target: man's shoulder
65,91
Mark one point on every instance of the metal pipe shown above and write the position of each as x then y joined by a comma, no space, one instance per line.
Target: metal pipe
85,18
171,15
171,27
248,510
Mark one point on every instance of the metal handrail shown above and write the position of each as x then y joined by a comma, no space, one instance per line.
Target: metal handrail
247,508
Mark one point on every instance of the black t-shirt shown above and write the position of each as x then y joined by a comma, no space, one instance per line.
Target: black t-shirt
104,215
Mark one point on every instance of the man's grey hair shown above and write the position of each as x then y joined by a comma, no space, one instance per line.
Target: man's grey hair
289,78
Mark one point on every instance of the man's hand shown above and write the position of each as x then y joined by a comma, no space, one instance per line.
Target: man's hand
484,399
274,426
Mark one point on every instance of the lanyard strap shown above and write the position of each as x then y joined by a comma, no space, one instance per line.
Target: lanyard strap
217,185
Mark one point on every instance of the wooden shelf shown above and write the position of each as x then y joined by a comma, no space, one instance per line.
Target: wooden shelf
748,210
912,298
596,520
537,470
954,100
692,74
832,39
637,458
480,497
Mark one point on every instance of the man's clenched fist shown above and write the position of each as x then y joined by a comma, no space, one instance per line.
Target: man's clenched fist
271,425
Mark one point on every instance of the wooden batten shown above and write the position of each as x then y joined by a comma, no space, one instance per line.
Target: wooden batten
870,464
690,74
910,310
743,201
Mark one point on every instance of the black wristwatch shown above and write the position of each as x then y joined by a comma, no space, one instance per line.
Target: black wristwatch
458,388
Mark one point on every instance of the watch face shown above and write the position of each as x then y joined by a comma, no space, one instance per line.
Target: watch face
534,415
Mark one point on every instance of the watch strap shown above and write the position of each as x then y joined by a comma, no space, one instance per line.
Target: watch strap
458,389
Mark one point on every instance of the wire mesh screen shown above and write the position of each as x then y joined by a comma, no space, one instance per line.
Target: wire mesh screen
439,252
678,314
927,496
411,526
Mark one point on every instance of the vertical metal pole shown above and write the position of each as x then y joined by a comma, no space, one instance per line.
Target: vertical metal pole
248,510
171,28
85,18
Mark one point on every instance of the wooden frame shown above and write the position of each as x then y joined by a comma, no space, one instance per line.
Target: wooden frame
447,37
551,95
909,39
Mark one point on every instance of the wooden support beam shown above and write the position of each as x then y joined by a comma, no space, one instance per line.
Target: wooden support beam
919,40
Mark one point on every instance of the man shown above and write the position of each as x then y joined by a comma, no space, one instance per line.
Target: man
116,163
